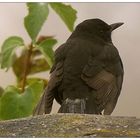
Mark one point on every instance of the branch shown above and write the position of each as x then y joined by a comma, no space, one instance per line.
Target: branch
27,67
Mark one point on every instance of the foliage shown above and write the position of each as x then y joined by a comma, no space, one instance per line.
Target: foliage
37,12
8,50
66,12
15,104
20,100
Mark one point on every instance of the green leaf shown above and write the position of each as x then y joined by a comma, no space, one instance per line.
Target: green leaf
19,64
35,79
7,57
46,47
43,37
66,12
38,13
36,90
13,104
39,65
1,91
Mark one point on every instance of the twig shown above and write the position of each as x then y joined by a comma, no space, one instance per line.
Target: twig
27,66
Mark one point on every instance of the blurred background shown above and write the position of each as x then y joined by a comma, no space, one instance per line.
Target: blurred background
126,39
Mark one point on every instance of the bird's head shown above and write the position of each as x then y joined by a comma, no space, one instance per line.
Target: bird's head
98,28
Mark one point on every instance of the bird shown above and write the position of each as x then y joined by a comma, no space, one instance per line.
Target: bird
87,74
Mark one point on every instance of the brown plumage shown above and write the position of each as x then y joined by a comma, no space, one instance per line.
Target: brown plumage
87,74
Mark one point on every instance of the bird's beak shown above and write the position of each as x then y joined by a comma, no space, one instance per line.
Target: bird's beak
116,25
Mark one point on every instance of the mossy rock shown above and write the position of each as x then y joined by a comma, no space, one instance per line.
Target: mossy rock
71,125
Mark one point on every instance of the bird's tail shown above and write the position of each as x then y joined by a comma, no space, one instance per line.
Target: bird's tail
73,106
81,106
40,108
45,104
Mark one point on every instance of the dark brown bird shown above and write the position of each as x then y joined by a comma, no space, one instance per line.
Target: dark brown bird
87,74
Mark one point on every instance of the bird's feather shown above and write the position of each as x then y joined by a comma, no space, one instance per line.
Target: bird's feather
87,74
105,82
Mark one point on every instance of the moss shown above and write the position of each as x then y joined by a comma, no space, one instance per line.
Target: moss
71,125
113,133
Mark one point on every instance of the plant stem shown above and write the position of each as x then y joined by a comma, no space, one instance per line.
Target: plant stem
27,66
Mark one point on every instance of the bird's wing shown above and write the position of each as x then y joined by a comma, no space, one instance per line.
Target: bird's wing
105,83
51,91
45,104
